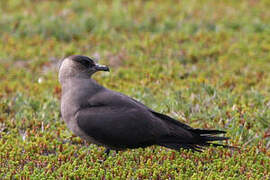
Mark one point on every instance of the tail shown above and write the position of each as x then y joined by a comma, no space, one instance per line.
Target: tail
184,136
195,139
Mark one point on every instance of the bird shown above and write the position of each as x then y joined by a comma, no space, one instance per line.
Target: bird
118,122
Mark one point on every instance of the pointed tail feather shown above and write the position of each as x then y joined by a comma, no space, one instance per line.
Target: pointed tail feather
184,136
206,131
213,138
200,138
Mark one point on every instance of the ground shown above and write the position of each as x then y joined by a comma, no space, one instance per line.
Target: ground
205,63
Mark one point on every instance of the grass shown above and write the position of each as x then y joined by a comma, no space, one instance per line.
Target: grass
205,63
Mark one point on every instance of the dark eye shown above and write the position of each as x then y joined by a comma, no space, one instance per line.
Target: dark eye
86,63
91,63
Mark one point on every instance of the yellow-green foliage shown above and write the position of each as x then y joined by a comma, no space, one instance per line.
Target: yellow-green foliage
206,63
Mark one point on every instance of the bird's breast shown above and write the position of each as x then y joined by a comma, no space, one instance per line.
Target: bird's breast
69,107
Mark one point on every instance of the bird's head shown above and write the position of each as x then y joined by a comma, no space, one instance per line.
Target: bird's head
79,66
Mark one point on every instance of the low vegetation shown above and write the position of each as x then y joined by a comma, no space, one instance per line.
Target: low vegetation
205,63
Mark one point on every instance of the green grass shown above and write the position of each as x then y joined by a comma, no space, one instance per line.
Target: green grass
205,63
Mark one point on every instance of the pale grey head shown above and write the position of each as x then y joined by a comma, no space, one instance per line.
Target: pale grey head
79,66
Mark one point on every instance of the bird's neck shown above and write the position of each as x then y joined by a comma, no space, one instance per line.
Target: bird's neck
78,82
63,78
